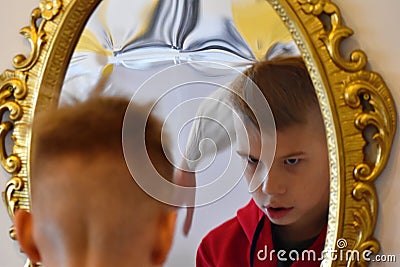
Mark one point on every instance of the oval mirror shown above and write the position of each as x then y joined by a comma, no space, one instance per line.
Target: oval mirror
83,48
192,49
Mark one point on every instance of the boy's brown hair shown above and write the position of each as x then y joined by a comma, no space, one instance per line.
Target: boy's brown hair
95,127
286,85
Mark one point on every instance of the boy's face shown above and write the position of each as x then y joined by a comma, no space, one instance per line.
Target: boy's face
296,189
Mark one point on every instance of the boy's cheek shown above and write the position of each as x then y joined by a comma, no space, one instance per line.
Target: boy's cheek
249,174
247,171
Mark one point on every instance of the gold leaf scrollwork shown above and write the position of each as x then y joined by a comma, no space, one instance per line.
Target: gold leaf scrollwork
337,31
35,33
362,172
13,185
28,263
10,163
12,84
36,37
49,8
376,119
312,6
12,233
365,220
367,91
12,87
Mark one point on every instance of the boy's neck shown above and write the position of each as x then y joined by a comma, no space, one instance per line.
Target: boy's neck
100,263
285,241
98,259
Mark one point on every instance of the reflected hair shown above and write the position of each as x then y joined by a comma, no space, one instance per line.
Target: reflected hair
94,128
285,84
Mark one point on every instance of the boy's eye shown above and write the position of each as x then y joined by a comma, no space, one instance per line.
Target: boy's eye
292,161
252,160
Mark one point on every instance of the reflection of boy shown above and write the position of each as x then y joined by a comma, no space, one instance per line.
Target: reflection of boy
288,212
86,208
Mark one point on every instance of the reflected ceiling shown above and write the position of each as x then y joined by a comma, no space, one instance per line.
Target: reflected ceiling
150,35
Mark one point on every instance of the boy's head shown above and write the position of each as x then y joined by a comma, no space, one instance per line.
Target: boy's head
295,191
86,207
286,85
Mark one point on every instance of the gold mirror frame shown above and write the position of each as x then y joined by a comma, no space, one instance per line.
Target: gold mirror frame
352,99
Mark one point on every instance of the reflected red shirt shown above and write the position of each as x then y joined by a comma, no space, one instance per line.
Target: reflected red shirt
229,244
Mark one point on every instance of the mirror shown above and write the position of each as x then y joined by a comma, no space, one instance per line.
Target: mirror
356,105
175,54
161,35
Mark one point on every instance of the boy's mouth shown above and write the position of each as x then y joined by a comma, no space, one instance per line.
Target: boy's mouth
277,212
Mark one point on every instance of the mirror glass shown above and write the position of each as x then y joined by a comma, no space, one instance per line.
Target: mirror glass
175,54
139,38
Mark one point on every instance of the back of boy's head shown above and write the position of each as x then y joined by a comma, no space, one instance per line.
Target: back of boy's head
286,85
81,185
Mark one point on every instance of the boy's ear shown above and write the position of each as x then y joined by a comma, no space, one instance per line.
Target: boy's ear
24,229
164,237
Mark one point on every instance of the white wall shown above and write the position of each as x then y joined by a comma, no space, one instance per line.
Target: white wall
376,26
376,32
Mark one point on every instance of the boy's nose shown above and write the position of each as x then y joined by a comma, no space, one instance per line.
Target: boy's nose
273,184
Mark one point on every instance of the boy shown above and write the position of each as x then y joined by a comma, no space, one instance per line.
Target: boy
87,209
288,211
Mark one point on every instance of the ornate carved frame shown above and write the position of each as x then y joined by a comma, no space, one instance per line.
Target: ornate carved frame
352,99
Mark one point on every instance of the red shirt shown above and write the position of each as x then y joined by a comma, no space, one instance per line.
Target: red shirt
229,244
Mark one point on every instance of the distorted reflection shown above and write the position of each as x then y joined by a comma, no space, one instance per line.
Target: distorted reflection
175,54
142,37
